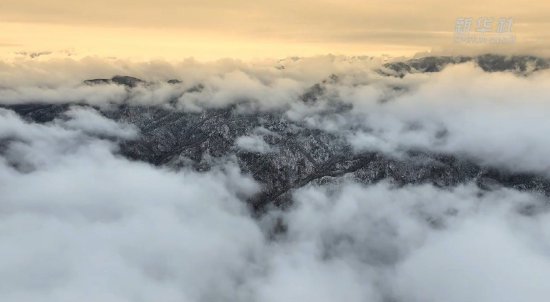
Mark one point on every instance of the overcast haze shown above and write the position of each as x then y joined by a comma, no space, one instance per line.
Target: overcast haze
209,30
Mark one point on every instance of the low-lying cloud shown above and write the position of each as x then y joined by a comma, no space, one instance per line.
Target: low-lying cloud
81,222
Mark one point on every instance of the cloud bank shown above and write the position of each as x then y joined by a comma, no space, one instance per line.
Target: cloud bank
81,222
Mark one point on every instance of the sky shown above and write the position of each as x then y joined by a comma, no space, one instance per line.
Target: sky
213,29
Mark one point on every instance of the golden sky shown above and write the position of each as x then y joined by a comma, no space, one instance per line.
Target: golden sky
211,29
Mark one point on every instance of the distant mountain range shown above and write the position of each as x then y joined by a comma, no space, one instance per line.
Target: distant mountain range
488,62
299,154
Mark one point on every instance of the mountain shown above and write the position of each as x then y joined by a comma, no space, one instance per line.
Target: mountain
128,81
296,154
488,62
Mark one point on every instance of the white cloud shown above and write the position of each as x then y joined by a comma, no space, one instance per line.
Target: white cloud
90,121
253,143
88,225
497,118
482,259
417,243
84,224
79,222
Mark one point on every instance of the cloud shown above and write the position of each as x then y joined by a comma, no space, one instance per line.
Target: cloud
253,143
93,226
414,243
89,121
81,222
482,260
496,118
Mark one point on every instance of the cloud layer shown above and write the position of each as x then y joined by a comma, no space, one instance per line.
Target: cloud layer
81,222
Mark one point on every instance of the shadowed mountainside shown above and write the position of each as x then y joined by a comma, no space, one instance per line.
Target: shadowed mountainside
297,154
